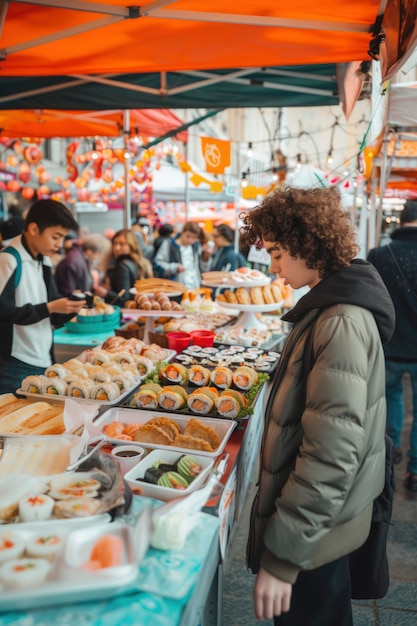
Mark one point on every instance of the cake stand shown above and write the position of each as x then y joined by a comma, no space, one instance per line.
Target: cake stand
249,319
150,316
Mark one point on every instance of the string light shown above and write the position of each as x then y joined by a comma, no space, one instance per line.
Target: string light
244,181
250,150
299,161
274,174
330,157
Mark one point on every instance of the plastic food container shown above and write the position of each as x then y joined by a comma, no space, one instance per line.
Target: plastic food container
203,338
139,487
127,456
178,340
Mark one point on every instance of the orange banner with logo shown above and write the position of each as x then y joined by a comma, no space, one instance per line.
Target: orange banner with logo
216,154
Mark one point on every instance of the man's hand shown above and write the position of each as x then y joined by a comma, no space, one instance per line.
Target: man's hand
65,305
271,595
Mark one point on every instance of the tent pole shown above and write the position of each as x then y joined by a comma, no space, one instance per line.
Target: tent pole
187,186
126,162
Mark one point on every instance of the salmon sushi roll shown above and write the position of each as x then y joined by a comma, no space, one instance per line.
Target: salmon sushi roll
174,373
244,377
172,398
230,403
57,370
199,375
222,377
202,400
147,396
145,366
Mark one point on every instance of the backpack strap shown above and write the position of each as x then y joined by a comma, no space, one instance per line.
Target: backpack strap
18,271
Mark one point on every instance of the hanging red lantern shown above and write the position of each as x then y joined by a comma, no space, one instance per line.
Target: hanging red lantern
24,172
71,149
28,193
44,177
44,190
13,185
72,172
32,154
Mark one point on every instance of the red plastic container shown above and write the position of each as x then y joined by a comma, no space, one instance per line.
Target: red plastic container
203,338
178,340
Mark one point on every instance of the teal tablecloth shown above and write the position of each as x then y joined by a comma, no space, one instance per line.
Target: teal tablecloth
62,336
165,585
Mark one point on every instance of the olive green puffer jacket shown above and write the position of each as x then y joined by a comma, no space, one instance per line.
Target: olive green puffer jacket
323,451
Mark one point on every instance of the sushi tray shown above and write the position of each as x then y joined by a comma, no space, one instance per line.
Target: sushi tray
95,488
41,417
231,356
137,477
57,565
189,434
94,402
198,390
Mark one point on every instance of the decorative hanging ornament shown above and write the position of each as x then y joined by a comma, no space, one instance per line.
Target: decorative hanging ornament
28,193
32,154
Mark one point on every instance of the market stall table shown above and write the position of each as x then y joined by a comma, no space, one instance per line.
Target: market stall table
69,345
171,589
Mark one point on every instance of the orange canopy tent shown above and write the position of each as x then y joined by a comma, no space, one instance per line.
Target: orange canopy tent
53,123
64,37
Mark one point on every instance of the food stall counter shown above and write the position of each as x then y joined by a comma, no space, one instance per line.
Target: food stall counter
172,587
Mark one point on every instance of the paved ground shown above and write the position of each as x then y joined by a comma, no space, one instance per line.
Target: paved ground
398,608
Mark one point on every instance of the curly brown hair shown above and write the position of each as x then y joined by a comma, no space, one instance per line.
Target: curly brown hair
309,223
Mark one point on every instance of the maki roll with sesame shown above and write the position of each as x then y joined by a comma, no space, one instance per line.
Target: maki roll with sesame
106,392
34,384
83,388
56,387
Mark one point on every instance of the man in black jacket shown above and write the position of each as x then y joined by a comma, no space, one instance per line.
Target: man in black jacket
397,264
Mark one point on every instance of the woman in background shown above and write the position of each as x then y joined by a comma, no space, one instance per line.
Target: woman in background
126,267
224,258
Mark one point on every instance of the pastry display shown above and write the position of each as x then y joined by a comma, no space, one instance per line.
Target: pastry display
259,295
165,431
153,285
159,301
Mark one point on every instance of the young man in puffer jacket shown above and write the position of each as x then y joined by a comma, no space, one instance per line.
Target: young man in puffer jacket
323,451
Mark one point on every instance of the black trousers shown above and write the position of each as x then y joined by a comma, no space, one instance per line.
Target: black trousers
320,597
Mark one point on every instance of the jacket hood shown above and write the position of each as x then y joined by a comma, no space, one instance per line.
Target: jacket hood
359,284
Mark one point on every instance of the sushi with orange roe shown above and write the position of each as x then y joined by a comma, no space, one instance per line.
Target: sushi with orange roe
172,397
202,400
147,396
230,403
35,508
244,377
222,377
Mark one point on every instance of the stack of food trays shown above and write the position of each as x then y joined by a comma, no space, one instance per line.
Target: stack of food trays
107,374
217,391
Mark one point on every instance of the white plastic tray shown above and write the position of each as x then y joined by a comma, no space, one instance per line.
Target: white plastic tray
98,403
165,493
68,581
223,427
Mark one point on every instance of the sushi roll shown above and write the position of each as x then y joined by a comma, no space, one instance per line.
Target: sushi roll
99,375
222,377
147,396
57,370
244,377
22,573
106,392
123,357
199,375
174,373
144,365
172,398
188,467
34,384
35,508
81,388
44,546
76,507
56,387
230,403
202,400
12,545
76,368
98,357
124,381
